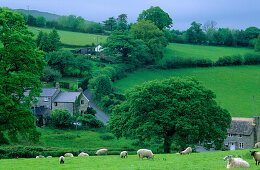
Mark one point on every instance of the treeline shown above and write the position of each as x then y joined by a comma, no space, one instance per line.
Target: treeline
209,34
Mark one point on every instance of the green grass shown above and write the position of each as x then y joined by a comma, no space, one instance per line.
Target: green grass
194,161
234,86
73,38
200,51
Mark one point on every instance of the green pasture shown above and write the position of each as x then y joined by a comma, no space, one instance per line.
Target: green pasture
234,86
200,51
73,38
194,161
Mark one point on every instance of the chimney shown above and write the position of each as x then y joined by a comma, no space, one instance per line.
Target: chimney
80,89
57,85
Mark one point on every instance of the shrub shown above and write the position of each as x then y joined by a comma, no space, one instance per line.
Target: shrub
61,118
204,62
90,121
237,60
91,111
224,61
107,137
50,74
251,59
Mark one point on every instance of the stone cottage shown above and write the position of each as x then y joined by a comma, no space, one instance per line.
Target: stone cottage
47,96
242,134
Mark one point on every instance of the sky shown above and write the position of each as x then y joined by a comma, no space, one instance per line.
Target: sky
237,14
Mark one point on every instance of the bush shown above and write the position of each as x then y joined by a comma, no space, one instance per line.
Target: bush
50,74
251,59
90,121
91,111
61,118
224,61
107,137
237,60
204,62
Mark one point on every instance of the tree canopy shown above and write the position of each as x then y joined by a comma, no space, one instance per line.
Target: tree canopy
155,14
195,34
21,65
175,110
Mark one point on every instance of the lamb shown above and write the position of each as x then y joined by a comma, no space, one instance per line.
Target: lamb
123,154
145,153
68,155
40,156
62,160
102,152
186,151
83,154
257,145
256,156
236,162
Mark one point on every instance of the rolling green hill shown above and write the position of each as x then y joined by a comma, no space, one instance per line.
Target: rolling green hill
35,13
200,51
234,86
196,161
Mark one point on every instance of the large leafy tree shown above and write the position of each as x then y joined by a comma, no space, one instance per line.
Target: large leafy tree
175,109
21,65
110,23
55,43
155,14
152,37
257,44
194,34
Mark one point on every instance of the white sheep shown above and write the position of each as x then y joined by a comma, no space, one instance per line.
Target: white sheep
186,151
68,155
62,160
145,153
257,145
83,154
256,156
40,156
49,156
102,152
123,154
236,162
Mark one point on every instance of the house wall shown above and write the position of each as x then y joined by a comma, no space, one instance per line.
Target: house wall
42,102
64,106
55,94
83,107
247,140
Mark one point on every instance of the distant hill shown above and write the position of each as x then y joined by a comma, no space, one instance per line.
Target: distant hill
36,13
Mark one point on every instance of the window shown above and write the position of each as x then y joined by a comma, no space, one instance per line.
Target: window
226,143
230,135
55,104
45,99
241,145
240,136
82,101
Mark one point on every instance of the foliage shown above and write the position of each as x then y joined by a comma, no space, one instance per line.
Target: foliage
257,44
54,40
229,60
110,23
194,34
153,37
173,109
101,86
39,38
82,63
91,111
49,42
50,74
155,14
106,137
40,21
21,66
252,32
61,119
252,59
90,121
45,44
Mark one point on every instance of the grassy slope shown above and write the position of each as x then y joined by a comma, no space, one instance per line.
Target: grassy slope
234,86
73,38
209,160
212,52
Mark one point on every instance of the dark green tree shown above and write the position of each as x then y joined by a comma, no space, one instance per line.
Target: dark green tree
155,14
61,118
45,43
153,38
122,18
194,34
110,23
39,38
40,21
252,32
101,85
31,20
257,44
21,65
54,38
175,109
82,63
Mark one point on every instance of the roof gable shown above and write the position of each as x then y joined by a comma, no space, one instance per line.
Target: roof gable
66,97
241,126
48,92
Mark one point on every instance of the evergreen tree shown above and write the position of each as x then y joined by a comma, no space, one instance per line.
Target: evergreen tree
55,42
39,38
45,44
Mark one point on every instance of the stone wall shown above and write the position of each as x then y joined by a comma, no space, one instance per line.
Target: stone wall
64,106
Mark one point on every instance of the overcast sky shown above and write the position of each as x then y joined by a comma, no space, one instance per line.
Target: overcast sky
238,14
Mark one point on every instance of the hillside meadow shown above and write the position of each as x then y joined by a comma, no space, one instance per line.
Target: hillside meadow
206,160
201,51
234,86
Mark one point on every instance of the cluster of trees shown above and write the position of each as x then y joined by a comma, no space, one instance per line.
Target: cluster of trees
208,34
119,23
48,42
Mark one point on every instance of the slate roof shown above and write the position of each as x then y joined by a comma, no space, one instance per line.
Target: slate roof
48,92
66,97
40,110
241,127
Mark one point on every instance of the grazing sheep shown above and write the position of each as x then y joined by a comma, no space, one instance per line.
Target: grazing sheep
62,160
145,153
256,156
123,154
68,155
188,150
40,156
83,154
257,145
102,152
236,162
49,156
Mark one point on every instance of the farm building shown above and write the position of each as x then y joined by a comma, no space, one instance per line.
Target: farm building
243,133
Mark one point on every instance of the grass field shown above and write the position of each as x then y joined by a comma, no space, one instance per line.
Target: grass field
73,38
195,161
200,51
234,86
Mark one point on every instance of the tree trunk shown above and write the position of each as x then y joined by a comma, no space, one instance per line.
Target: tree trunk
167,144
